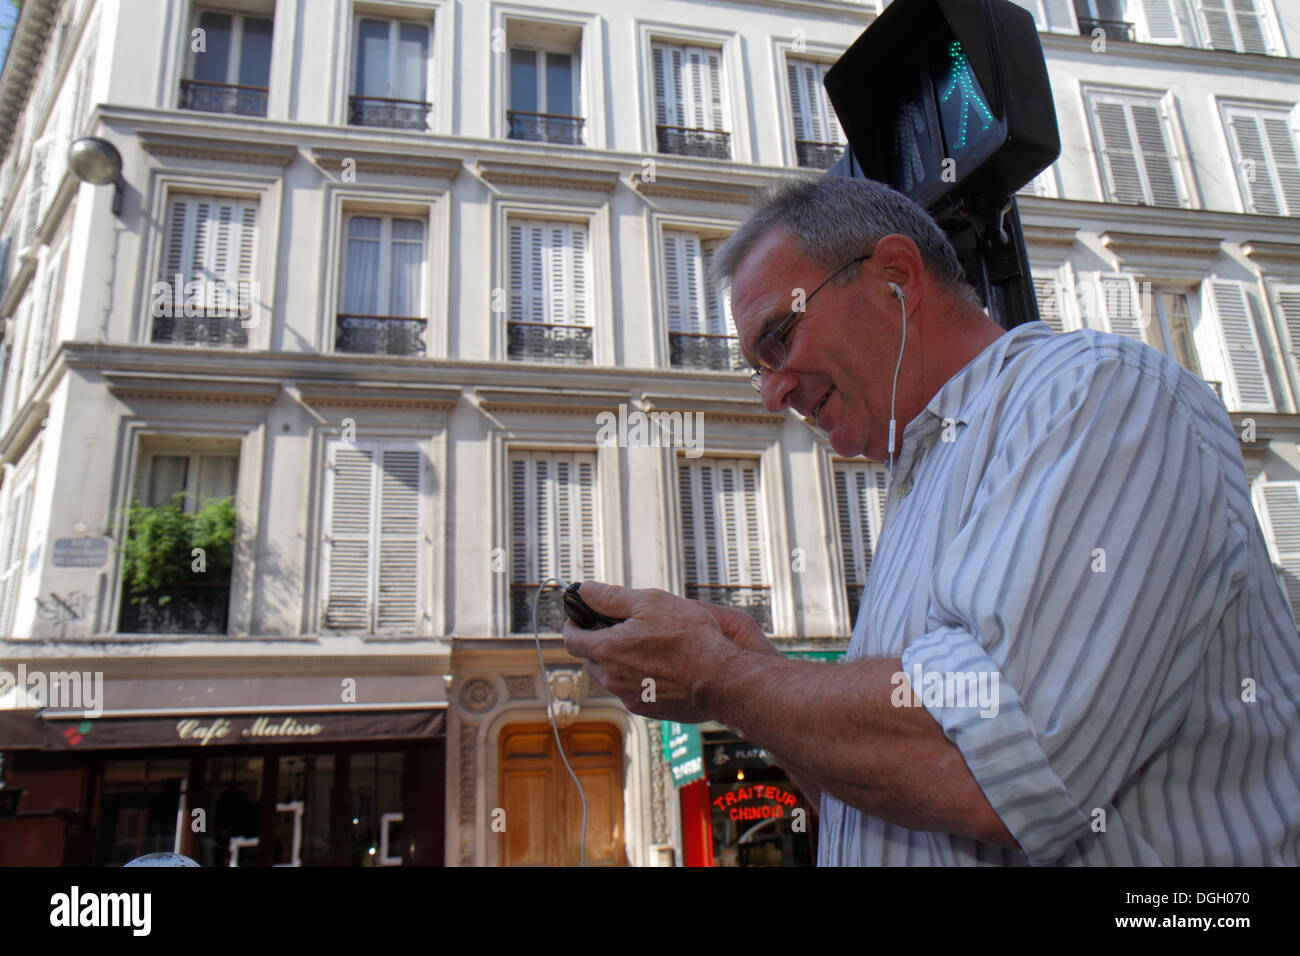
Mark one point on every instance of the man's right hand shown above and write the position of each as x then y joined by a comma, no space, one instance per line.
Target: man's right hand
740,628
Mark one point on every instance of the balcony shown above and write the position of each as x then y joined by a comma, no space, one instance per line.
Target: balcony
193,609
682,141
394,114
223,98
717,352
550,609
817,155
546,342
213,329
380,335
1120,30
545,127
754,601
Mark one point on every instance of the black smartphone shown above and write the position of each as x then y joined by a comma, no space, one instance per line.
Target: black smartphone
581,614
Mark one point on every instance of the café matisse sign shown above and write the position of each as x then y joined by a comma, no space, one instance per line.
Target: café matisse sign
193,730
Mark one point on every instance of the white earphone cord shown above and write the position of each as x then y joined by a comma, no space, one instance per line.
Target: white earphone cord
902,305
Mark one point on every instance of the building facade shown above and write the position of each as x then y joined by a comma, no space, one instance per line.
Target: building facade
362,349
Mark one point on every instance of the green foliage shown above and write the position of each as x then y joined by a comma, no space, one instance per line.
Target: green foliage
160,542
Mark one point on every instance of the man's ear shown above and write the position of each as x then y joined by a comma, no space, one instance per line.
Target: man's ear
902,268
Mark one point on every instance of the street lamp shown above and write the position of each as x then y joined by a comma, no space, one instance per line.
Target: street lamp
97,161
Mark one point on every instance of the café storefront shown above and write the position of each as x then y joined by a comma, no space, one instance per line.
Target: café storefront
229,781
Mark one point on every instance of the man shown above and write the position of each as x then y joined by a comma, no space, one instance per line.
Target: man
1068,525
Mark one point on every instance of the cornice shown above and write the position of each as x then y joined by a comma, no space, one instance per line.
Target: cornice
564,400
193,387
1200,61
26,46
29,420
422,166
738,411
325,393
1036,211
1274,257
1051,235
221,150
699,189
502,173
1170,255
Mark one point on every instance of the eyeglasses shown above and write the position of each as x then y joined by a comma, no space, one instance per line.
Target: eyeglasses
771,347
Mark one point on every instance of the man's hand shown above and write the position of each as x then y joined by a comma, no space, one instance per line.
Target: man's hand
655,660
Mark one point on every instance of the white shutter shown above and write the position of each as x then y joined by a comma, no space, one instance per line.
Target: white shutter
1047,289
859,500
1118,155
1120,306
801,108
721,533
1235,25
1157,157
553,516
212,240
16,379
1242,361
688,87
35,192
665,81
684,283
1217,24
397,589
12,554
549,273
1060,16
51,295
1282,521
349,532
1253,167
1288,303
1286,162
717,306
1160,22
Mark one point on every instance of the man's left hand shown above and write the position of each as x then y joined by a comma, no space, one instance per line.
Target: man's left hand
656,660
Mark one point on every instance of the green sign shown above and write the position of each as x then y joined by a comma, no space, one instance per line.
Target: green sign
830,657
684,752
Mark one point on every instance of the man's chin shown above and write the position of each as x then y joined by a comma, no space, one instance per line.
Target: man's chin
847,445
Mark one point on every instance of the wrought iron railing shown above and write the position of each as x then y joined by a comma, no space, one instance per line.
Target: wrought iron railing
1114,29
817,155
754,601
223,98
545,127
690,350
381,111
543,342
379,335
194,609
684,141
550,609
218,329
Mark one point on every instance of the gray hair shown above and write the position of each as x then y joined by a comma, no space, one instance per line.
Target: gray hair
837,219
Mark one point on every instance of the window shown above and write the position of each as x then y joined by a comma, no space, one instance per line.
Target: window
1264,151
1111,303
1281,521
549,318
1056,16
13,551
391,75
232,71
1288,307
860,510
383,287
1239,25
689,116
205,287
818,139
1051,299
722,540
1044,184
1104,15
46,335
374,528
37,176
1158,21
701,333
544,92
198,477
1171,306
552,532
1229,349
1134,149
18,370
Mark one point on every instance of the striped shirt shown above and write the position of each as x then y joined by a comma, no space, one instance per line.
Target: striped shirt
1069,523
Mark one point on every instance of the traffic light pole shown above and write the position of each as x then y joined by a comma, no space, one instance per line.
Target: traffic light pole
991,246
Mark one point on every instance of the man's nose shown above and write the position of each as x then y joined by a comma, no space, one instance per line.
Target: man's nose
778,390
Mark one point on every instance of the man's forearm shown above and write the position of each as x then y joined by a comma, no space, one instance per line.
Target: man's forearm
834,727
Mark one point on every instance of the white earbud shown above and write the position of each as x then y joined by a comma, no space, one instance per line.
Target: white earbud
898,293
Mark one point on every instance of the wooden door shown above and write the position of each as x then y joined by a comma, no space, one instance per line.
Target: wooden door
543,813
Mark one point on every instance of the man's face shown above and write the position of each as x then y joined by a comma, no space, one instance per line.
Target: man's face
837,350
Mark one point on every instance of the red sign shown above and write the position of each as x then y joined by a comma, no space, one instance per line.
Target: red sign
759,801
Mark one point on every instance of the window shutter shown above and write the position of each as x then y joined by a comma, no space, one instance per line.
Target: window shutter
212,240
51,294
1048,292
1286,163
553,516
1060,16
1161,21
1243,360
16,381
35,192
1282,518
520,294
1288,301
1119,304
1218,26
859,499
398,586
348,537
1250,27
721,533
800,108
665,85
717,307
578,274
676,258
1157,157
1117,150
713,75
15,544
1253,164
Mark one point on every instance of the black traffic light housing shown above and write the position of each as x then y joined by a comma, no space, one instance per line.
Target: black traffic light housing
948,101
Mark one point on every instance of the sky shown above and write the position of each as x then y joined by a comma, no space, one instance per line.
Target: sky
8,17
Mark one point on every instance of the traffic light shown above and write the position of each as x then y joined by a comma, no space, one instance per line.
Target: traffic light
948,102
